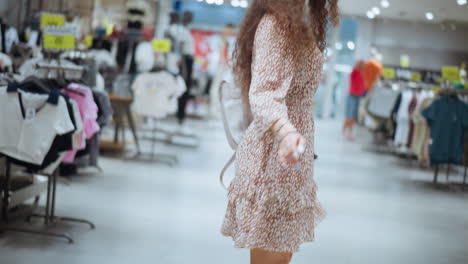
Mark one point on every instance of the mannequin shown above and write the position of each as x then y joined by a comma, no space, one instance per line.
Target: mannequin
187,51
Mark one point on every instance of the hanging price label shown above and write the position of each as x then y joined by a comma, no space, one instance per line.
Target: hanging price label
59,41
58,38
88,41
52,20
416,77
451,73
389,73
162,45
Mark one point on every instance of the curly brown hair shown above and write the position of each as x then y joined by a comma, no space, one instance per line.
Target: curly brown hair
290,14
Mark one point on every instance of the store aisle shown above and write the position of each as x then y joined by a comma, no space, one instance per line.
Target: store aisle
380,210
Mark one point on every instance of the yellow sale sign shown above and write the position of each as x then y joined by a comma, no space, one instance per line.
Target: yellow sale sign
389,73
59,41
162,45
451,73
52,20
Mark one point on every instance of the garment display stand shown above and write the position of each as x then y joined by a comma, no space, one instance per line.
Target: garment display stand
170,160
49,215
170,138
121,106
5,226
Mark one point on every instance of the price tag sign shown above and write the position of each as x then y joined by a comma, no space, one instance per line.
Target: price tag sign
416,77
404,61
58,38
389,73
52,20
162,45
88,41
451,73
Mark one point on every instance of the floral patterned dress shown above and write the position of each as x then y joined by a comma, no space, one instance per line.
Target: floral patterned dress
271,207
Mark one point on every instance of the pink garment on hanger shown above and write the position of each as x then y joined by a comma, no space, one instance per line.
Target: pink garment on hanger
88,111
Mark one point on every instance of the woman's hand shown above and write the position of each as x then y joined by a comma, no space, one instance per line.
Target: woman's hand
292,144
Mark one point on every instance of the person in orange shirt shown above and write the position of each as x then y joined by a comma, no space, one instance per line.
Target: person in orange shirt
372,71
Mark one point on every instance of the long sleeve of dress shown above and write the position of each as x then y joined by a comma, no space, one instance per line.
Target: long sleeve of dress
272,74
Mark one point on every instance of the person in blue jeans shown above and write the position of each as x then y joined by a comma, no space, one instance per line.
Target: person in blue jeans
356,91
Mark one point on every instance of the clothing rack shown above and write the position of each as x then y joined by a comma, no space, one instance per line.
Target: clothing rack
443,90
8,196
49,215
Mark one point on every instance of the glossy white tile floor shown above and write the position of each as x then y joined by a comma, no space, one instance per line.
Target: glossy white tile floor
380,210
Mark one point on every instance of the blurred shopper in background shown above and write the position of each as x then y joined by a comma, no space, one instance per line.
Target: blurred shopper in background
273,207
356,91
187,52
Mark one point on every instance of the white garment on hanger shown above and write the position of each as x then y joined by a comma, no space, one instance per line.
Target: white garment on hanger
28,138
382,101
11,37
154,93
77,138
403,119
33,36
5,62
103,58
100,83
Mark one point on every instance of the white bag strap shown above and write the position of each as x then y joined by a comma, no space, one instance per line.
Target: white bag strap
228,164
232,142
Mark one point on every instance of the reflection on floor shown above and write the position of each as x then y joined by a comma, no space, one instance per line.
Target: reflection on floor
380,210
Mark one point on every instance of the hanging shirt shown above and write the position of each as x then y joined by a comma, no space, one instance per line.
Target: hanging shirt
403,119
153,93
11,37
382,101
30,124
89,114
448,120
356,83
420,136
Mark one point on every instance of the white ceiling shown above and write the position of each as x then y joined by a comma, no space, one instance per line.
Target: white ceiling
443,10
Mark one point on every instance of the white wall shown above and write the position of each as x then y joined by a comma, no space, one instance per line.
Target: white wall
428,46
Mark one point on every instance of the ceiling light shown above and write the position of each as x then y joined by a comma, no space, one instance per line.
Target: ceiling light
370,14
235,3
199,0
462,2
244,3
339,46
328,52
351,45
376,10
429,16
219,2
386,3
210,2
